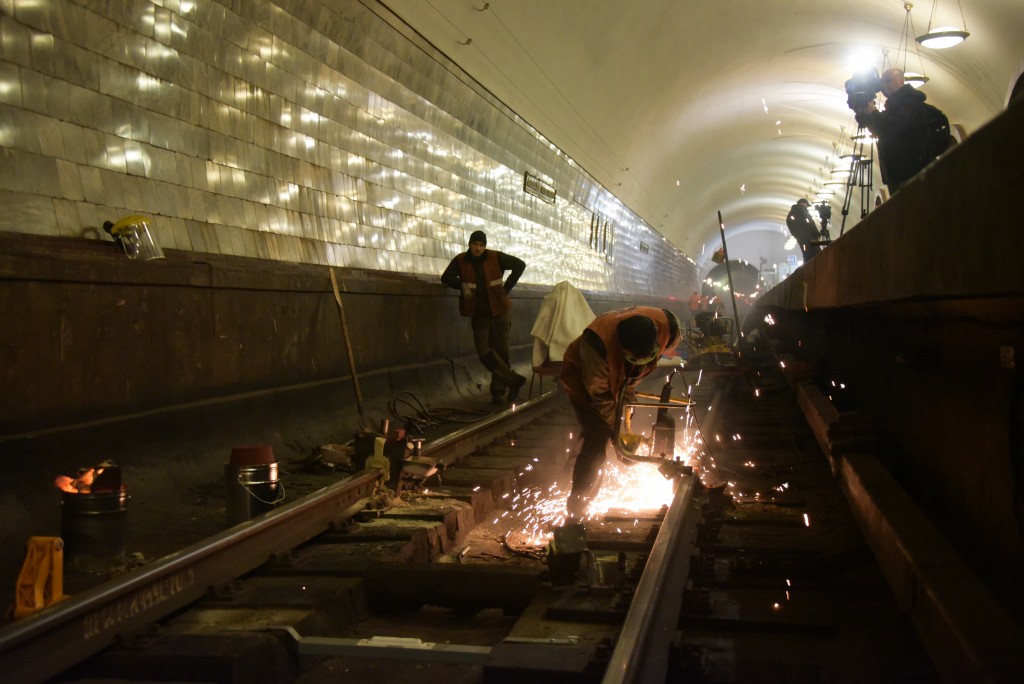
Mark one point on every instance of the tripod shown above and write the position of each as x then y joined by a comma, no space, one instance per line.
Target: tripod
861,175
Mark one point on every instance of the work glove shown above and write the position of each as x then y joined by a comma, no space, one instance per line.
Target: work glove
631,442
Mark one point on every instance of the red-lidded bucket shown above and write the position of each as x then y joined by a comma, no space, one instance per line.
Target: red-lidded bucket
252,486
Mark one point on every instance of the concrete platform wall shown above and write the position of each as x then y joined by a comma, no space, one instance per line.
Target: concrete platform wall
916,319
90,336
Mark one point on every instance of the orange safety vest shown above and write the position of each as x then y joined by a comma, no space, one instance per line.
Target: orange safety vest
604,325
497,299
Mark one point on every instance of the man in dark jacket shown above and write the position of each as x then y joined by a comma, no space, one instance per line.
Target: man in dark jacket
478,273
901,129
802,227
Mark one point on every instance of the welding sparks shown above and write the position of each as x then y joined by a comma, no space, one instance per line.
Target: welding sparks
536,512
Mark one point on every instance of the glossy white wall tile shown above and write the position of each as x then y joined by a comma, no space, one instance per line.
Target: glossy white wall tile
301,131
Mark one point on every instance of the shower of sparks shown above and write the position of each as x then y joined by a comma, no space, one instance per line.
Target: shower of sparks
534,513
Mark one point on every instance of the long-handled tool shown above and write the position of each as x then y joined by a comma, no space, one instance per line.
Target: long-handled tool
348,346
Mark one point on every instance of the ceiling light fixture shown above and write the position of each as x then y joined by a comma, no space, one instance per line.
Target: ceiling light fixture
914,78
944,36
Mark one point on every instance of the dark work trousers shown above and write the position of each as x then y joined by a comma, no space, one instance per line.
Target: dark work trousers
588,472
490,336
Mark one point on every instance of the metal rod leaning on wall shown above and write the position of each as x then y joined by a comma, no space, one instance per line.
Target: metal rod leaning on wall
728,272
348,343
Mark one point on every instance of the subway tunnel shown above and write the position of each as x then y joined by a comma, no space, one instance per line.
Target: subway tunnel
275,147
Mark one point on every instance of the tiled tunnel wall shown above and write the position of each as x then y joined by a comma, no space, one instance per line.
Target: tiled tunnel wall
304,132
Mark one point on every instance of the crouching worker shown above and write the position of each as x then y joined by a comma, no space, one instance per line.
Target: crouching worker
617,350
478,273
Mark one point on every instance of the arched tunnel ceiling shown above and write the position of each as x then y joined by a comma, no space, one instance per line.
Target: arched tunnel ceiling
684,108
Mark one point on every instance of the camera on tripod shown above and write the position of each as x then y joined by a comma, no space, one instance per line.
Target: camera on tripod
862,88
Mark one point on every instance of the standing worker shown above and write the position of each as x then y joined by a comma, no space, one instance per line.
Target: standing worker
478,274
695,302
617,350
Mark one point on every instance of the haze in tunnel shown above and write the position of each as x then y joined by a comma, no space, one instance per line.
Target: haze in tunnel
685,109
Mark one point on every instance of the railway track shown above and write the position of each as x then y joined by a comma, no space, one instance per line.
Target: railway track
265,598
754,571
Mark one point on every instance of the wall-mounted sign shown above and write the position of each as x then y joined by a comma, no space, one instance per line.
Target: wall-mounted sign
538,188
791,259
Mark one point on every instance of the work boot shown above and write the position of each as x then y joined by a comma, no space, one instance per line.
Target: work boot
514,387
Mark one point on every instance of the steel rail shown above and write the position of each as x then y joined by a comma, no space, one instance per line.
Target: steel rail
457,445
641,652
41,646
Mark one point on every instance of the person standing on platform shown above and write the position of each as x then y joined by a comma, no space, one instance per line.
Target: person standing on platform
802,227
479,274
614,353
911,133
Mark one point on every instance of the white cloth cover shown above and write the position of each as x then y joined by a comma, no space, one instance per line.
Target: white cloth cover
563,315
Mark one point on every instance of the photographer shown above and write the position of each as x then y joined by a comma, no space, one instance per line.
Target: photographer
801,226
907,129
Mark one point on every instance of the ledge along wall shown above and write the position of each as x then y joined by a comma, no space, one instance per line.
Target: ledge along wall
918,312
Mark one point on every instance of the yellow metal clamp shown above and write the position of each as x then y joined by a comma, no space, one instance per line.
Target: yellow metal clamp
41,581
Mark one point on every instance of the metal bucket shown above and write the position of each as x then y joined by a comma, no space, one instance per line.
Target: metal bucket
94,528
252,489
